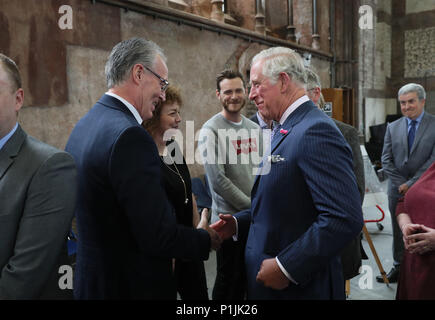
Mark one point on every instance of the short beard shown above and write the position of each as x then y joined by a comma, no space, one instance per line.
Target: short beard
232,111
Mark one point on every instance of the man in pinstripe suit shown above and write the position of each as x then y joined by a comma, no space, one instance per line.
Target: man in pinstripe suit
307,208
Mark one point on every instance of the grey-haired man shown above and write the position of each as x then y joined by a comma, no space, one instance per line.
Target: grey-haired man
128,233
409,149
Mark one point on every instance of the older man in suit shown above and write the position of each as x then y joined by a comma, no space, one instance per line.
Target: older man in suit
127,230
307,208
409,150
37,198
259,119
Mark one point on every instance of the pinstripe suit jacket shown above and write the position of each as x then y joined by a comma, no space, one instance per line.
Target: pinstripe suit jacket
305,210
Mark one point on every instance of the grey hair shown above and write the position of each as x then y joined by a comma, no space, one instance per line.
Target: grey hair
281,59
126,54
313,80
413,87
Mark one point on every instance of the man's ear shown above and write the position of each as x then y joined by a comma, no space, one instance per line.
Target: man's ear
285,80
137,73
218,94
423,101
318,92
19,99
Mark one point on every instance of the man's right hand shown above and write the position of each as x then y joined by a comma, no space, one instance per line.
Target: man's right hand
214,236
225,227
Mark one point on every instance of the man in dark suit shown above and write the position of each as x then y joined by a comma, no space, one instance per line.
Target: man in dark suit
409,150
37,198
127,231
254,118
259,119
351,254
307,208
268,126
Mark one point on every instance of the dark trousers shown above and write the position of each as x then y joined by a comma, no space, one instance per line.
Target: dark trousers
398,246
230,281
191,280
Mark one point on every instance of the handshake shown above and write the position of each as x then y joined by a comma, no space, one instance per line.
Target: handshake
221,230
270,274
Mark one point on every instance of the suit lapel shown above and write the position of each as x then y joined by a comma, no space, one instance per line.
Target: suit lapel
420,132
294,118
404,136
5,162
10,150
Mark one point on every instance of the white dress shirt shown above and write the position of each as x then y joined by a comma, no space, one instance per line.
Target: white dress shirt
128,105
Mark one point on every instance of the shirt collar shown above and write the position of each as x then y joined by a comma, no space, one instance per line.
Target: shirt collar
8,136
293,107
418,119
261,122
128,105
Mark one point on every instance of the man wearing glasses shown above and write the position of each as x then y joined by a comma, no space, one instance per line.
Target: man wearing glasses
127,232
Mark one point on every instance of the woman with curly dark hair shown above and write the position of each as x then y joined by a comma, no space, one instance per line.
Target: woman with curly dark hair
189,274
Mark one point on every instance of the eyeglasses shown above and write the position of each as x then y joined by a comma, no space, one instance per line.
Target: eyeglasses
163,82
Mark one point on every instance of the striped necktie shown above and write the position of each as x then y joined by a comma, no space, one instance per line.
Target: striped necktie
411,135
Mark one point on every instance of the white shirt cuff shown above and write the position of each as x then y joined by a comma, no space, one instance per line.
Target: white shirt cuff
285,271
236,235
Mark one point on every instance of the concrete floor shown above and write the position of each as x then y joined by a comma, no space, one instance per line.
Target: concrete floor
364,286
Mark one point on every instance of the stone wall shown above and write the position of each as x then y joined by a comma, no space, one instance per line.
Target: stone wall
375,67
419,46
63,70
416,6
63,76
398,50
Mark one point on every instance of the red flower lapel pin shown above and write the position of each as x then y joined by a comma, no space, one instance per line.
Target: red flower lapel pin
283,131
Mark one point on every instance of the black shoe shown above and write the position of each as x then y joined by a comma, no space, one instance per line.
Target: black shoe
392,276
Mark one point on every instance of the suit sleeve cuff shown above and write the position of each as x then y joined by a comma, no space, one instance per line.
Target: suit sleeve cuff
285,271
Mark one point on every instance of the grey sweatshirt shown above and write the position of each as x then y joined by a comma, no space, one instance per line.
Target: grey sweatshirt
231,153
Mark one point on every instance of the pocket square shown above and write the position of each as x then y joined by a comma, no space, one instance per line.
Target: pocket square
275,158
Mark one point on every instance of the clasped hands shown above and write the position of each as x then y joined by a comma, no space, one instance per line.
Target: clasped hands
215,238
270,275
418,238
403,189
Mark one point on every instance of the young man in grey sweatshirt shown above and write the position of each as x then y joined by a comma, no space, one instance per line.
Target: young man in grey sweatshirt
231,147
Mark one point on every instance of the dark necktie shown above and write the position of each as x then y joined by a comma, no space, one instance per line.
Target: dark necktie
276,128
411,135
